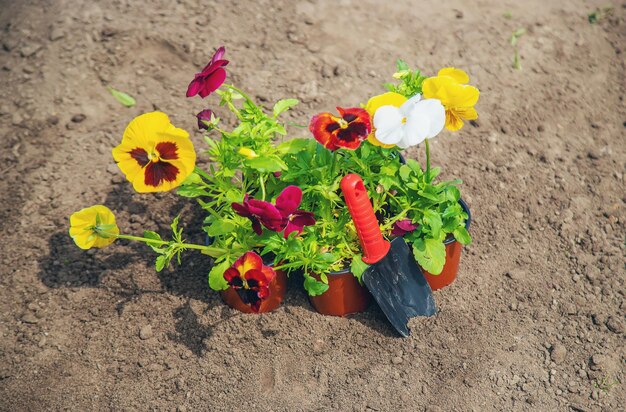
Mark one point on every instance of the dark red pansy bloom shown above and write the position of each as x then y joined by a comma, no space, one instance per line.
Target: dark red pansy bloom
260,213
251,279
287,203
204,117
402,227
347,131
211,77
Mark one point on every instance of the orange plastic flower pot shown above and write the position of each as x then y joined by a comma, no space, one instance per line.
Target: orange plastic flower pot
277,286
453,256
345,295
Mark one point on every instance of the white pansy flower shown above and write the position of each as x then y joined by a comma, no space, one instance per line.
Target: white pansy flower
410,123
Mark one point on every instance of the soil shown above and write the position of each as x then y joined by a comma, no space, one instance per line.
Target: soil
535,320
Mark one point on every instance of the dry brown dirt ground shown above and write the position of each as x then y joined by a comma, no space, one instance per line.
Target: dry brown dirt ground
535,320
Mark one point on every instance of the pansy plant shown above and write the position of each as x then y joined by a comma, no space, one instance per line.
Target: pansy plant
268,196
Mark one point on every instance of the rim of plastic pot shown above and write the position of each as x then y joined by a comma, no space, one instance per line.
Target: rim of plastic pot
467,221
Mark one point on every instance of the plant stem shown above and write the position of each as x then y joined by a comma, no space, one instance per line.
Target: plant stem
427,162
333,161
262,183
210,250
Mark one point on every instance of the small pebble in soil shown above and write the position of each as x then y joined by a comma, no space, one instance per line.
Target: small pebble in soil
615,325
145,332
396,360
557,353
77,118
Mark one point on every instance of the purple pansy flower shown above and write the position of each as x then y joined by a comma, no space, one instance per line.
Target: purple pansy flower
204,116
287,203
402,227
211,77
260,213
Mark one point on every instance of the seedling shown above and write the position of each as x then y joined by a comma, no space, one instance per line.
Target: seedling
514,37
599,14
604,385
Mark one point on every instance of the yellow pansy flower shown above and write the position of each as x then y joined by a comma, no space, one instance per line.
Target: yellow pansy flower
154,155
450,87
93,227
247,152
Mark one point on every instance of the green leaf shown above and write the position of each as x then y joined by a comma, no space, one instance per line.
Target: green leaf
191,190
429,192
122,97
284,105
161,261
314,287
358,266
266,164
220,227
414,165
294,146
462,236
430,254
401,65
405,172
216,276
453,194
156,246
432,219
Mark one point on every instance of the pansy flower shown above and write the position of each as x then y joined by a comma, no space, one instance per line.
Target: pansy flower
348,130
211,77
251,279
205,119
406,123
260,213
154,155
451,88
93,227
402,227
287,203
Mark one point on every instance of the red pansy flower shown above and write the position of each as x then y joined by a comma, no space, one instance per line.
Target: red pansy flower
211,77
251,279
287,203
347,131
402,227
260,213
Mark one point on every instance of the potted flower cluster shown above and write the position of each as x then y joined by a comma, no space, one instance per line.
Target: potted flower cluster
273,204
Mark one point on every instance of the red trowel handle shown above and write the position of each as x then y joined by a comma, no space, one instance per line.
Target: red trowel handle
375,247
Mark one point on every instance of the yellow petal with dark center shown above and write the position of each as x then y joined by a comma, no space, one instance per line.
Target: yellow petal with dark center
139,159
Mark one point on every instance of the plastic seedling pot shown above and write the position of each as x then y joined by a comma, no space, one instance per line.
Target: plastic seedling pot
453,256
345,295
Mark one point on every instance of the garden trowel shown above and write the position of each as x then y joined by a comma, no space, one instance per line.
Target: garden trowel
393,277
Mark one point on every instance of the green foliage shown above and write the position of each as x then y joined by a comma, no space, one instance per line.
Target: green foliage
245,161
410,81
122,97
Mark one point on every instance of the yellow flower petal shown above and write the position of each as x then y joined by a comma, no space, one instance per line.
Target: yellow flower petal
376,102
466,113
84,225
249,153
462,96
453,122
385,99
458,75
